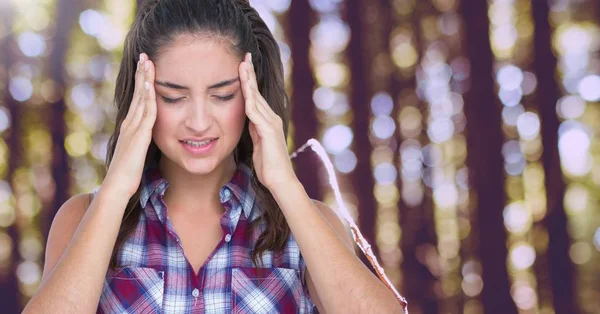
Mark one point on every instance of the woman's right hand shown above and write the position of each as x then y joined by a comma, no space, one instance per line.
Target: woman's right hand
125,171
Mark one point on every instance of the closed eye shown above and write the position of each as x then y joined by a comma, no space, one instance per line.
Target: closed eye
174,100
170,100
226,98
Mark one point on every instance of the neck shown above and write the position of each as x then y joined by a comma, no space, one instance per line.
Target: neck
192,193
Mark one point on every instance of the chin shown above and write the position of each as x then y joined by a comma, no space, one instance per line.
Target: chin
199,166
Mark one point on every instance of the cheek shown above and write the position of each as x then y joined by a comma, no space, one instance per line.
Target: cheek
237,116
164,122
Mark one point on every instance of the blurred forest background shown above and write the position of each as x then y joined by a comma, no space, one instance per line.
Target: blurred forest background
463,133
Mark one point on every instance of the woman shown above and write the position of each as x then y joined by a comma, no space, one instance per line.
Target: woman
200,210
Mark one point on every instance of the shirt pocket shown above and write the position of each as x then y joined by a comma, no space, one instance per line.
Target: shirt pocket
266,290
132,290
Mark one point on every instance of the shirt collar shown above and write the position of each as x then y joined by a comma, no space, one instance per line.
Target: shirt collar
239,189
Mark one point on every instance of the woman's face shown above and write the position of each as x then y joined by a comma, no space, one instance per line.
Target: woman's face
199,98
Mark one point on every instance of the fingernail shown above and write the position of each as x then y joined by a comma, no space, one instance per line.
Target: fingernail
250,53
146,66
146,85
141,57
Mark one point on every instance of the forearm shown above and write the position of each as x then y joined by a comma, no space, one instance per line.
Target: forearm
344,284
75,283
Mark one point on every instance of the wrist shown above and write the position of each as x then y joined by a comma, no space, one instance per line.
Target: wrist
112,195
282,181
286,189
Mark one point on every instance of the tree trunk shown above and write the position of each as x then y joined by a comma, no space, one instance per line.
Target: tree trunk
360,94
486,171
66,15
555,261
417,223
303,109
9,285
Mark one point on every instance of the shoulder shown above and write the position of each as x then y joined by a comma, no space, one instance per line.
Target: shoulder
73,209
70,214
64,224
337,223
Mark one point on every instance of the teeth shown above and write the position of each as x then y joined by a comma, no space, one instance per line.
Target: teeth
197,144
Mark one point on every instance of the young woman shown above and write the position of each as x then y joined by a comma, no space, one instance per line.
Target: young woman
200,210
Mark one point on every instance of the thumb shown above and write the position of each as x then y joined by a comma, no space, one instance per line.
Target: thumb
253,133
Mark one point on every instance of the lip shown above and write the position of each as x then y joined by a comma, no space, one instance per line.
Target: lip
195,139
204,150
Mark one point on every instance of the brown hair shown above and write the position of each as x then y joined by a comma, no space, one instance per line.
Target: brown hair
156,25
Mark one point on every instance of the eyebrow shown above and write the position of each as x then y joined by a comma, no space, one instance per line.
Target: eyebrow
180,87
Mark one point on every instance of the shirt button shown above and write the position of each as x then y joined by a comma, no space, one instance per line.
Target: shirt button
228,237
226,196
196,293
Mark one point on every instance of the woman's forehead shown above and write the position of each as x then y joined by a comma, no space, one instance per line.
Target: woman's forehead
199,45
196,61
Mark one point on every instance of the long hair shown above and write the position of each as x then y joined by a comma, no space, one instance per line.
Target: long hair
156,25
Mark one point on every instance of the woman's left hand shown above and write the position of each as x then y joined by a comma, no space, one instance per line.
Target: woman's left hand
270,156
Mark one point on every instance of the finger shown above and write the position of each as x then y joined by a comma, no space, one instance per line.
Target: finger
259,101
138,85
149,115
253,134
139,78
141,108
262,104
264,107
251,72
250,101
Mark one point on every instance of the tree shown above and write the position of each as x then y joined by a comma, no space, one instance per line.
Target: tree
66,15
486,171
9,287
303,109
416,222
555,261
360,94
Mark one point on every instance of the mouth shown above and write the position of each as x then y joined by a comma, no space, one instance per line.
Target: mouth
198,143
198,147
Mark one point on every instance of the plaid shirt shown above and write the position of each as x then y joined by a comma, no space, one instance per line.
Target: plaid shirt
154,276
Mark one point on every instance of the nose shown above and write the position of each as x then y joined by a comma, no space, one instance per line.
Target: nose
199,117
